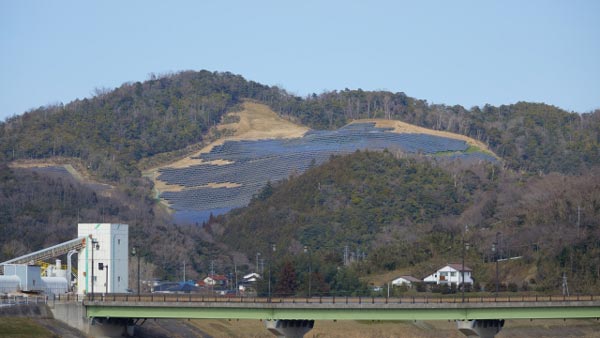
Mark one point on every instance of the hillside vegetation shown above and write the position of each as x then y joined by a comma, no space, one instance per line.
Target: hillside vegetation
405,214
410,215
115,129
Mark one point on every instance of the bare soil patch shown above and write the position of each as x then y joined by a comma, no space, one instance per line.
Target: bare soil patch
74,166
256,122
407,128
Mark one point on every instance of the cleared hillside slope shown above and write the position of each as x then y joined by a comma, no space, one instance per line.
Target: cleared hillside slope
260,147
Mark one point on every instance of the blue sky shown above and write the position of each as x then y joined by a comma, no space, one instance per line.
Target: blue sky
452,52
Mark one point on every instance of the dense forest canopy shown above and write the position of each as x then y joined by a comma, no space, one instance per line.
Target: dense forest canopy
374,203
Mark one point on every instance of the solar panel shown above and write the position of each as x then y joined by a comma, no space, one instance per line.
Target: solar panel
256,162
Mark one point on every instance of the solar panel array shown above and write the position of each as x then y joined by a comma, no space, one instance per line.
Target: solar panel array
254,163
53,170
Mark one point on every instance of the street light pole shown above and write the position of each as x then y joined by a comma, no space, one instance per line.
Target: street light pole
135,252
97,246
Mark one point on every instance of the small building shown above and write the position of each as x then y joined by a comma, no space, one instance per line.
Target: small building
251,278
450,274
28,278
215,280
405,280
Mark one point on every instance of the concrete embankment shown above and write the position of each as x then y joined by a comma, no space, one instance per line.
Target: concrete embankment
72,314
26,310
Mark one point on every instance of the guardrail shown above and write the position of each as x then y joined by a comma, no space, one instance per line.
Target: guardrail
189,298
17,300
195,298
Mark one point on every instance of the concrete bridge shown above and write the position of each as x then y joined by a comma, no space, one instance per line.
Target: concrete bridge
293,317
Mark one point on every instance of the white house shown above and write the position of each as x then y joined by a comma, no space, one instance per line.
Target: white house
450,274
405,280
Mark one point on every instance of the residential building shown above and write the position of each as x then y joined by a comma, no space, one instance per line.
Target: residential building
451,274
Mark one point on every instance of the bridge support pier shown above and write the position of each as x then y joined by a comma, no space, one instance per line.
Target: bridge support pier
289,328
484,328
111,327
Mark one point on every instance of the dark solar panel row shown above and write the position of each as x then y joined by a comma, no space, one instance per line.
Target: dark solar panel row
57,170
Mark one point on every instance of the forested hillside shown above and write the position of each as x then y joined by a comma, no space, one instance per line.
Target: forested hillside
392,213
115,129
410,214
533,137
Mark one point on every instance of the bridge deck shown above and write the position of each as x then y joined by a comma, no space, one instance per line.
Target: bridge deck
342,309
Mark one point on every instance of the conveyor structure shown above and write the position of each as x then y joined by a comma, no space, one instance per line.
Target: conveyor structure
47,253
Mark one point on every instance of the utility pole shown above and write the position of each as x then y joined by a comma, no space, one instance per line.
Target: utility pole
236,280
496,251
273,247
346,255
465,246
257,260
565,286
307,251
106,266
578,219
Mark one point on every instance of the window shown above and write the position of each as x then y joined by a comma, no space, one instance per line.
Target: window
119,278
119,241
444,273
453,274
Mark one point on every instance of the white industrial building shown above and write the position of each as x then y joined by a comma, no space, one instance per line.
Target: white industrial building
103,259
107,244
28,278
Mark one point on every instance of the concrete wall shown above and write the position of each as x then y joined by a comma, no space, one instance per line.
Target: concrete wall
26,310
72,314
